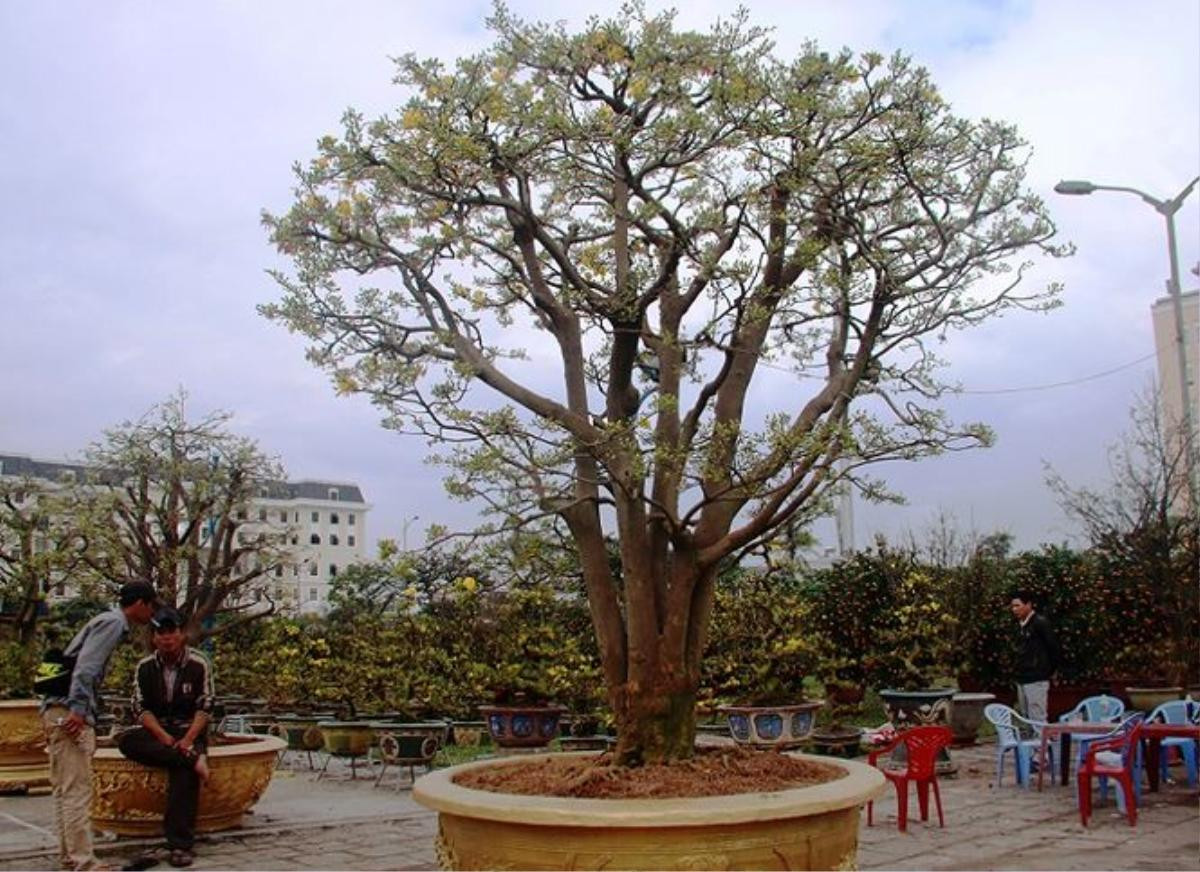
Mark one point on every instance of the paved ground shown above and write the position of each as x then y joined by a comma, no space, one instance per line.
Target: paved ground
339,824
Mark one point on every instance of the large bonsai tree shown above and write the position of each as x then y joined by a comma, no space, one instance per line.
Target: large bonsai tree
569,257
168,498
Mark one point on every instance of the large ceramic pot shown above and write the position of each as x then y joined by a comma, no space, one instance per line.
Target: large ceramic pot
467,733
843,742
129,799
522,726
914,708
299,731
804,828
347,738
966,714
1146,699
24,763
911,708
773,726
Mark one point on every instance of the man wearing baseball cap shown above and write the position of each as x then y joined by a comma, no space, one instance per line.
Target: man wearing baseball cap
172,699
70,721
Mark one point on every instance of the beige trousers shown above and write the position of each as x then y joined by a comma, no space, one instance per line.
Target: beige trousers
71,778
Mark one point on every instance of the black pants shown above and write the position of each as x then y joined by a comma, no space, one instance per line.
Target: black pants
183,784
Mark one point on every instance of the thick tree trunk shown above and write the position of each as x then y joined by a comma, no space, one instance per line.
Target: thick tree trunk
656,721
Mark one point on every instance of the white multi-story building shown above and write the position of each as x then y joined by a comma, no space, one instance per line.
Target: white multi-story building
1170,390
325,522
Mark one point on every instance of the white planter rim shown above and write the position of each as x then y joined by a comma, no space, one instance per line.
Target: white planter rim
438,791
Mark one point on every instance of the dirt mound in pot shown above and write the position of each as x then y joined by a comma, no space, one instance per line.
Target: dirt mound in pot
713,772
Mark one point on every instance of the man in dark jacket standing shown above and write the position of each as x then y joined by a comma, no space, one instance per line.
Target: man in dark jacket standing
1037,657
172,697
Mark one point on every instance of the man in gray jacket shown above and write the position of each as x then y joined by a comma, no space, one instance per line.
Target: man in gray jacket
70,721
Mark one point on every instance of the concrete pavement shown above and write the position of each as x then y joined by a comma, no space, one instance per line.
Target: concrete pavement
340,824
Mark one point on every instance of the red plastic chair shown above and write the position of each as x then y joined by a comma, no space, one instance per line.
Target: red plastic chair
1120,762
922,745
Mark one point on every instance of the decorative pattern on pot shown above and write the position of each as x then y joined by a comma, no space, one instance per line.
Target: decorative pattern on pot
778,726
522,726
24,764
912,708
129,799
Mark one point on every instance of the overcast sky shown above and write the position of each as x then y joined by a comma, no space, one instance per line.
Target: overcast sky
139,142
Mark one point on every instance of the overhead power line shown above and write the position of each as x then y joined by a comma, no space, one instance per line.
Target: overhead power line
1061,384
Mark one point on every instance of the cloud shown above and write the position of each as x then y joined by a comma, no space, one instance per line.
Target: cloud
143,140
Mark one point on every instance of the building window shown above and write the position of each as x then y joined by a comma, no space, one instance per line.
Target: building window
333,539
241,515
316,517
279,571
333,517
295,539
283,517
312,569
314,539
333,494
295,571
350,518
61,588
333,570
350,540
312,594
262,514
296,518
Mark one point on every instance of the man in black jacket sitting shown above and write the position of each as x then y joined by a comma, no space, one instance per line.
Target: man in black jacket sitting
173,695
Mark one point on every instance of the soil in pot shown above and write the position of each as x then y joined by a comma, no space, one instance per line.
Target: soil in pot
711,772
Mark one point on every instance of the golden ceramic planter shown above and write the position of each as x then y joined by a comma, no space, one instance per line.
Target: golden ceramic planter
804,828
129,799
24,763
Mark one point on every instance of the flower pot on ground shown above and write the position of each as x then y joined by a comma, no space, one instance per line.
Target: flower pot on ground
522,726
837,740
468,733
129,799
914,708
966,714
24,764
771,726
813,827
1145,698
911,708
347,738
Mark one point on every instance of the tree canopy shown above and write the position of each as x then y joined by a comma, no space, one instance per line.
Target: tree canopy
615,231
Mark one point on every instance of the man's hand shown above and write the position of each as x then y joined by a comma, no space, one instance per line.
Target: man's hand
184,744
73,724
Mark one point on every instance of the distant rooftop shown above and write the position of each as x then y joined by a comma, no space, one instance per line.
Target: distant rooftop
24,466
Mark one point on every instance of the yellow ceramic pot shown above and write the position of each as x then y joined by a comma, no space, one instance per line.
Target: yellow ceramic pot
24,763
803,828
129,798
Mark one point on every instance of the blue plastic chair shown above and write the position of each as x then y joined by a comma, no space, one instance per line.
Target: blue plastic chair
1178,711
1129,756
1009,726
1094,709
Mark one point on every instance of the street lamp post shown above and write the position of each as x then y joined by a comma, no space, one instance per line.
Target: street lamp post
404,531
1166,208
